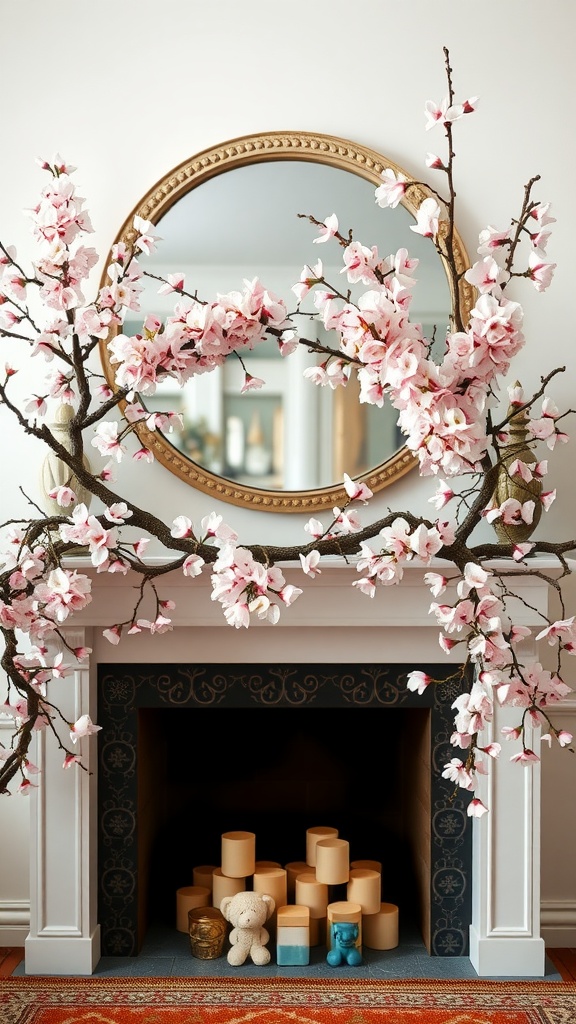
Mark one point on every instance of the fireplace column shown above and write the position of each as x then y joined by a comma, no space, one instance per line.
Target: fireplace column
505,932
64,934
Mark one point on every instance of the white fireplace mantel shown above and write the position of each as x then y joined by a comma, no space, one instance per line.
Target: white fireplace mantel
331,622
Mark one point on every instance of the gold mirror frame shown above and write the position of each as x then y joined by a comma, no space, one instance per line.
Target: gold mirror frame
247,149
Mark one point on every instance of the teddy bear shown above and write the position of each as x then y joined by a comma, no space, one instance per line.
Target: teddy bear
247,912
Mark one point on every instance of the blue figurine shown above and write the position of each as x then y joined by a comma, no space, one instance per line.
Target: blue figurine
344,950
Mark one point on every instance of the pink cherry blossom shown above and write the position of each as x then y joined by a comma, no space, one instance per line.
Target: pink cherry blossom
512,511
113,634
161,624
84,726
309,277
214,527
562,629
173,283
511,732
547,497
540,273
427,219
328,229
418,681
107,441
135,411
436,582
443,495
118,512
143,455
251,383
485,274
456,771
81,653
25,787
193,565
474,578
63,592
521,469
145,241
425,542
446,643
365,586
182,527
289,594
443,113
238,615
357,490
35,407
315,527
310,563
392,189
470,105
263,608
525,757
541,214
519,633
346,521
492,749
71,759
288,343
64,495
476,808
59,669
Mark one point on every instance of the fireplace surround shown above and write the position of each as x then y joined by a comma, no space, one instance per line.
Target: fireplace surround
329,628
174,775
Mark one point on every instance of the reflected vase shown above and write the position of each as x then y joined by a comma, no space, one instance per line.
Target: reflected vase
508,486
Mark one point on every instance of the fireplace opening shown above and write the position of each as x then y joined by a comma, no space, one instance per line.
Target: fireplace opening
189,751
278,774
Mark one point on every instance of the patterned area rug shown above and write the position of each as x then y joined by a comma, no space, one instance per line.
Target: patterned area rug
276,1001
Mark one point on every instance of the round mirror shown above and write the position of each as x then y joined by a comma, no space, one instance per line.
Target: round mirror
239,212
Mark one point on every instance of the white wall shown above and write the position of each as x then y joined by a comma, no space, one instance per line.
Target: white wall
127,89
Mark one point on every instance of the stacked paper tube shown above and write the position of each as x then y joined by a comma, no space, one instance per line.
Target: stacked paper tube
306,883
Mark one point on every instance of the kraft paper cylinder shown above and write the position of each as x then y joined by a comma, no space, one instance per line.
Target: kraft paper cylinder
238,854
272,882
313,836
364,887
223,886
343,911
266,864
189,897
380,931
202,875
333,861
293,869
309,892
372,865
292,917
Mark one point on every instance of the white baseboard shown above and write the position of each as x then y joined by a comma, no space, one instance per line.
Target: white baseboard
13,936
14,922
558,923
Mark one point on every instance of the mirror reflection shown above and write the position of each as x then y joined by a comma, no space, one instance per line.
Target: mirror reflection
250,220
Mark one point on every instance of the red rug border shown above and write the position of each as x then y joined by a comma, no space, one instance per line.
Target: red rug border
535,987
246,1000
